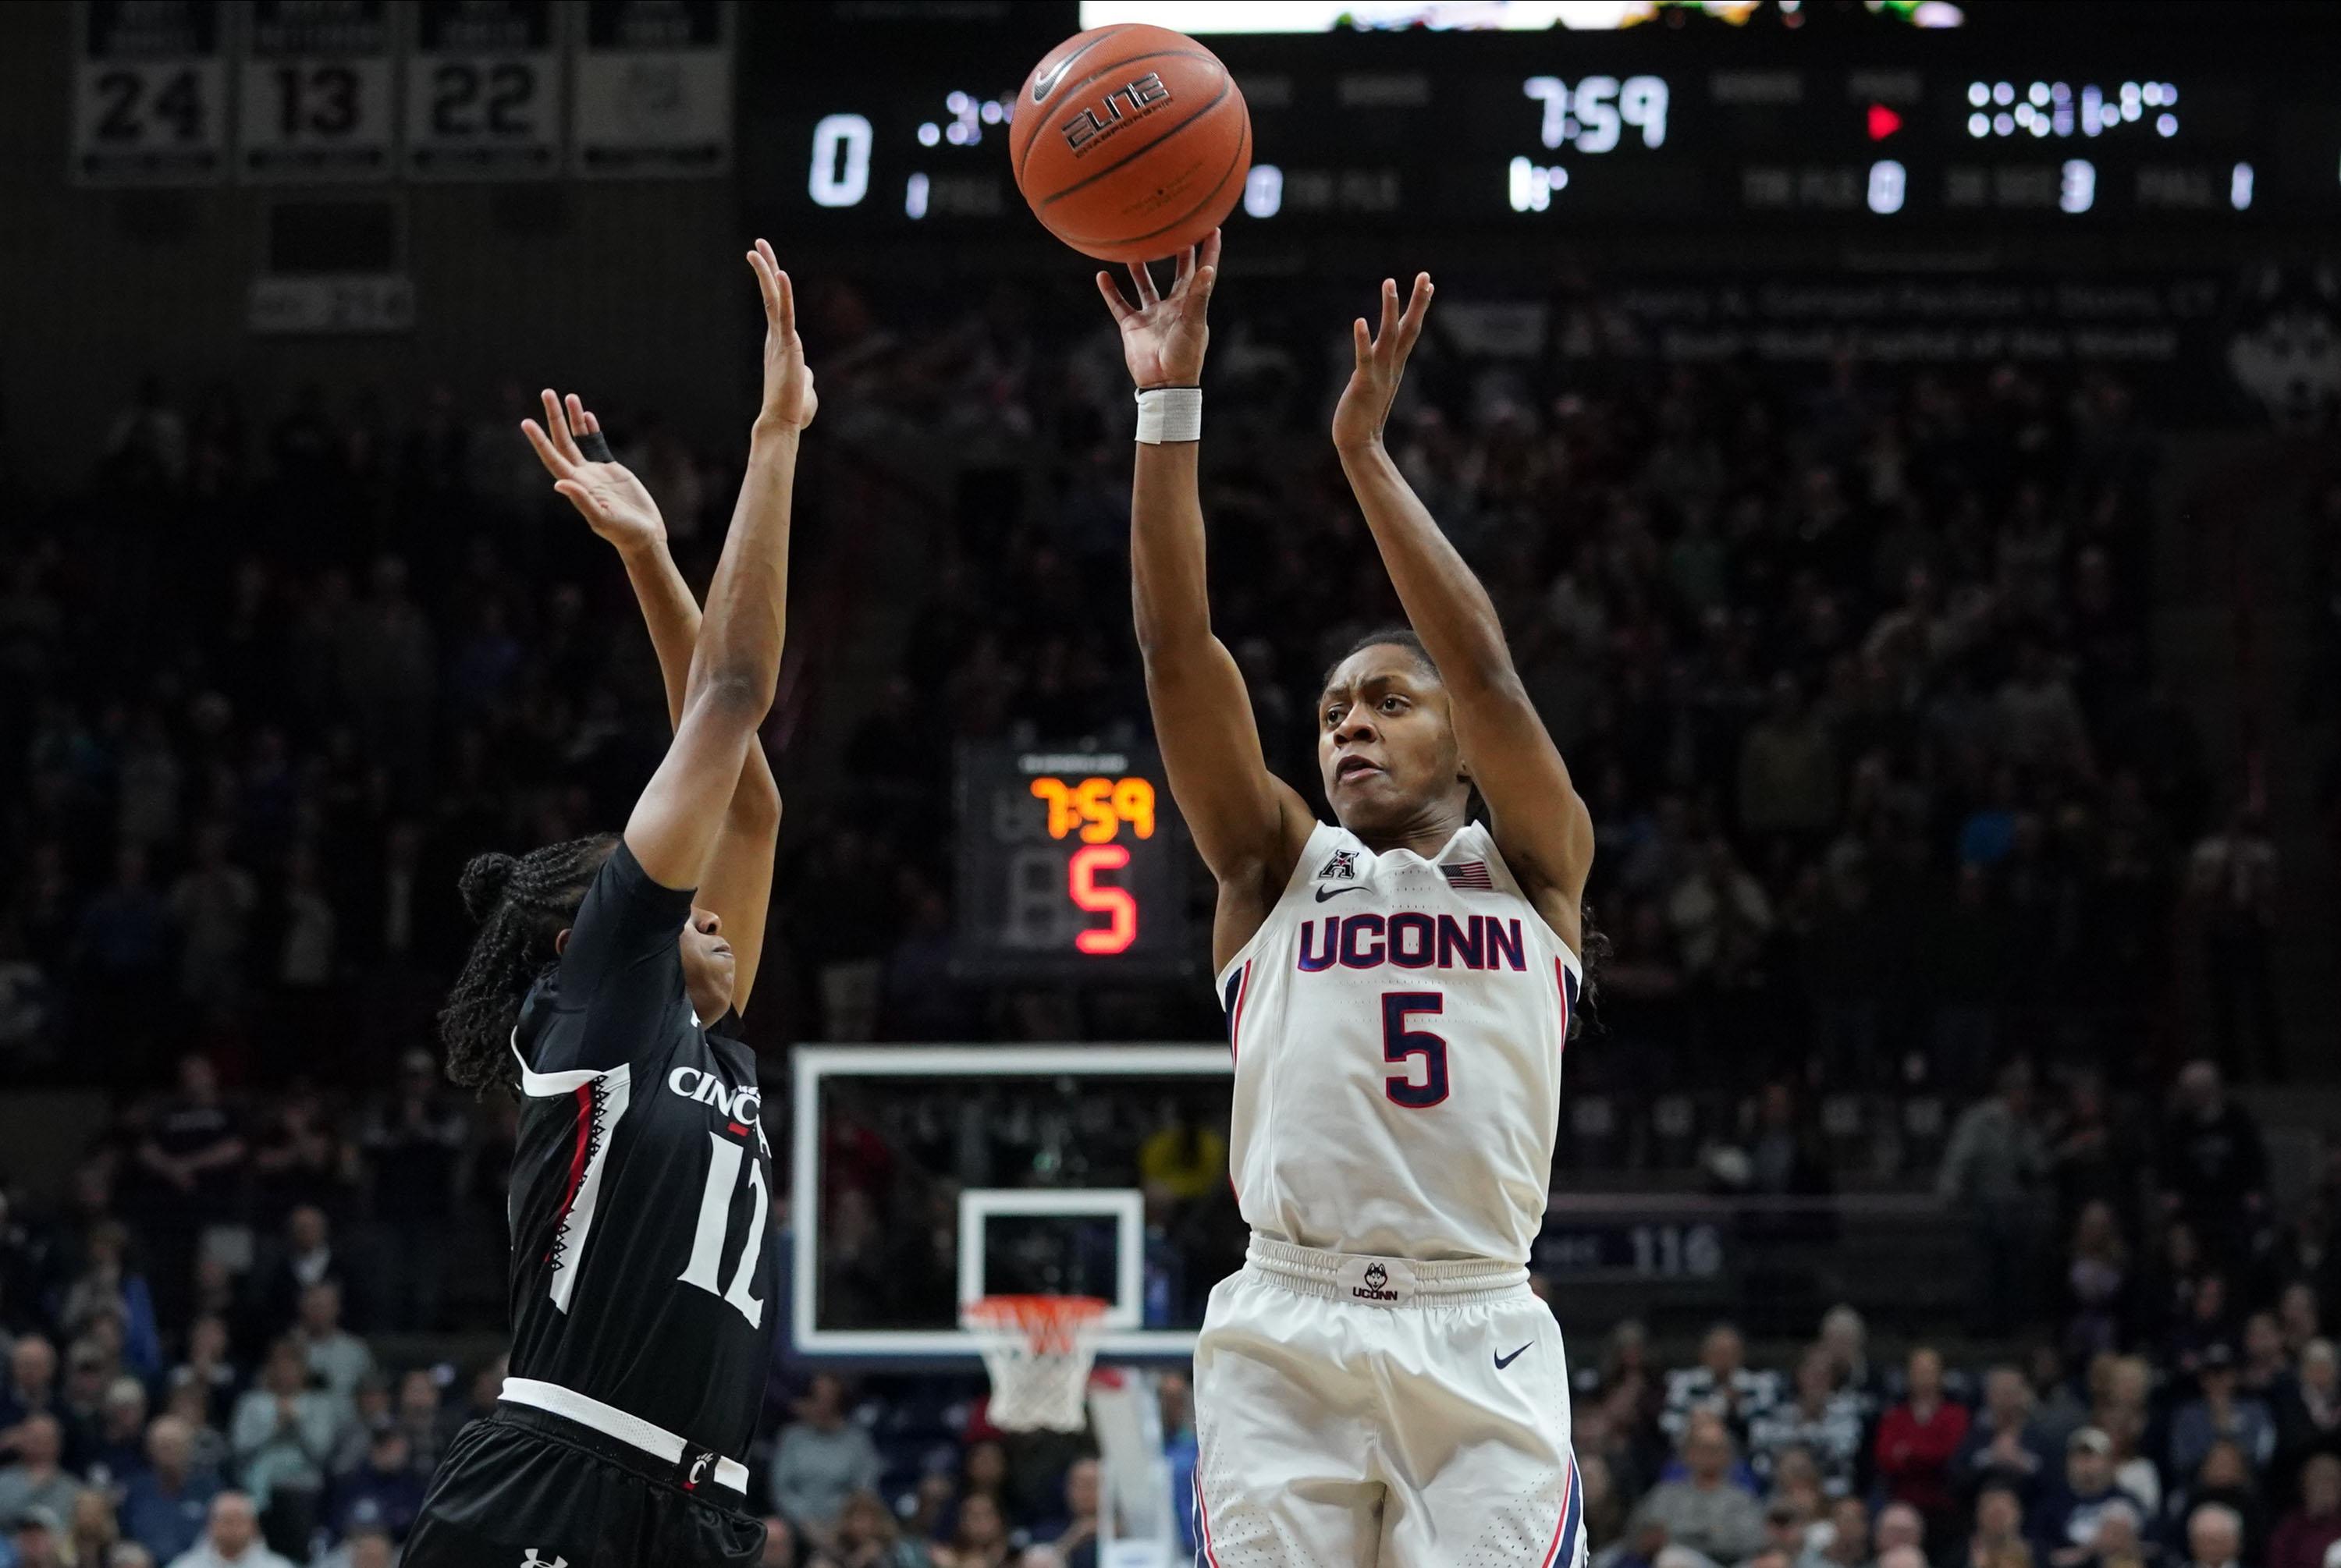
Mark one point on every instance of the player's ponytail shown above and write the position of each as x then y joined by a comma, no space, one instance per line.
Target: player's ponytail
1593,952
521,905
483,884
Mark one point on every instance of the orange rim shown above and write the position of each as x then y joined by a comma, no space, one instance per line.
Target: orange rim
1050,1324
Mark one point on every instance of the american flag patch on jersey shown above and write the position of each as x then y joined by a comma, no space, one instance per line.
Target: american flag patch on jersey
1471,875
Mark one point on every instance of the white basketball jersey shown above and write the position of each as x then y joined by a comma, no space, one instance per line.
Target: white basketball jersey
1398,1025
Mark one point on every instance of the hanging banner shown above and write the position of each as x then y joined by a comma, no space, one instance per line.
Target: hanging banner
317,100
483,91
150,93
654,89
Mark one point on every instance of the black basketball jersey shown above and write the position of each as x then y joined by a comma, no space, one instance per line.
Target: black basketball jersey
642,1181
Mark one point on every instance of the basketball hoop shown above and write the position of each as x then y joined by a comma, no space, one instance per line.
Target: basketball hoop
1037,1350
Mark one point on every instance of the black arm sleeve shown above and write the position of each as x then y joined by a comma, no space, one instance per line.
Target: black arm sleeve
621,971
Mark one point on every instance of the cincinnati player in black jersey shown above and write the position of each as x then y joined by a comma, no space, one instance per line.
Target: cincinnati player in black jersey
605,980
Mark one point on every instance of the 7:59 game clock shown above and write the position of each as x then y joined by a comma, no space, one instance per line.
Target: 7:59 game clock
1071,865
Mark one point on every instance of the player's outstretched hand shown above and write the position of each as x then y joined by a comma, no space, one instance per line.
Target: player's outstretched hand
1163,337
1381,365
789,400
605,493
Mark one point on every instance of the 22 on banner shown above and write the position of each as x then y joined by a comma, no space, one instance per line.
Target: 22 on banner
654,89
483,91
150,92
317,99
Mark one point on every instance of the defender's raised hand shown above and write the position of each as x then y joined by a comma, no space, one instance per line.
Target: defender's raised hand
789,400
605,493
1164,337
1381,365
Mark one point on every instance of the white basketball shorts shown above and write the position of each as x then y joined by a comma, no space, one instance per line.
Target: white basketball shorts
1372,1413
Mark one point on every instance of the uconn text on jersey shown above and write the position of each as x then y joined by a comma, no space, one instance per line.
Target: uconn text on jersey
1412,940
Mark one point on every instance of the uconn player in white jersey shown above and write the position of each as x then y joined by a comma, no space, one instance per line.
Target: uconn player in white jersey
1378,1385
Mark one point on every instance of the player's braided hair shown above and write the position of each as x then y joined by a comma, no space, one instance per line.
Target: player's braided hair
522,906
1594,940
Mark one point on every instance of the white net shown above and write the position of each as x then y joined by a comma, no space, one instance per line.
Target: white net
1037,1350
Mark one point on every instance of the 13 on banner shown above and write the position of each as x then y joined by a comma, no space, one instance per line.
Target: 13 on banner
654,89
483,91
317,100
150,92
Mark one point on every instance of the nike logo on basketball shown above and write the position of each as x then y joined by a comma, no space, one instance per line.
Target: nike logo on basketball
1046,83
1504,1360
1325,893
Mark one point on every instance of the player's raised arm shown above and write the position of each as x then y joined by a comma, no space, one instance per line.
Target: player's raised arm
1248,825
735,665
738,882
1539,823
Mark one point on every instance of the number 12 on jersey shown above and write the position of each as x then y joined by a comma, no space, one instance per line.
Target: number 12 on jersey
715,1228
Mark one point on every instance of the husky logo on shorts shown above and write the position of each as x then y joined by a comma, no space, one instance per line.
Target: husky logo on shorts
1384,1282
533,1561
1343,865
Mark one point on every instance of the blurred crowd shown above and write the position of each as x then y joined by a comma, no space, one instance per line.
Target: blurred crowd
1852,668
2129,1407
2226,1453
265,692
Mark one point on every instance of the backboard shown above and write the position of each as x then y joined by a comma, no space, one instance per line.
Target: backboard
925,1177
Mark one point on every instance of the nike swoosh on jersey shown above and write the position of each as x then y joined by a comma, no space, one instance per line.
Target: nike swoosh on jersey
1504,1360
1325,893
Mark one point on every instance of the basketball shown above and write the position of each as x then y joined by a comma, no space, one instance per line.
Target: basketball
1130,141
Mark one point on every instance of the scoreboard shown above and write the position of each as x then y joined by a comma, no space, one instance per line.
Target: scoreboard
1527,134
1071,865
872,124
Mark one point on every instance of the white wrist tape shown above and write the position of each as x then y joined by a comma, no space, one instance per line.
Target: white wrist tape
1170,413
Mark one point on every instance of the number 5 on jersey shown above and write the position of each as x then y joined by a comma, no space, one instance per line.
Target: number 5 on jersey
1401,1044
715,1228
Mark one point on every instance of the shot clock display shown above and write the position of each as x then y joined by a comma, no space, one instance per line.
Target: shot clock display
1071,864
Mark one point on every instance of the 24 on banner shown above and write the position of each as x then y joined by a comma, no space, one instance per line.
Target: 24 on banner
150,92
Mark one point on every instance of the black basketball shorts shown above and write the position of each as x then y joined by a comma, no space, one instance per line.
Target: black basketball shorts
525,1488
